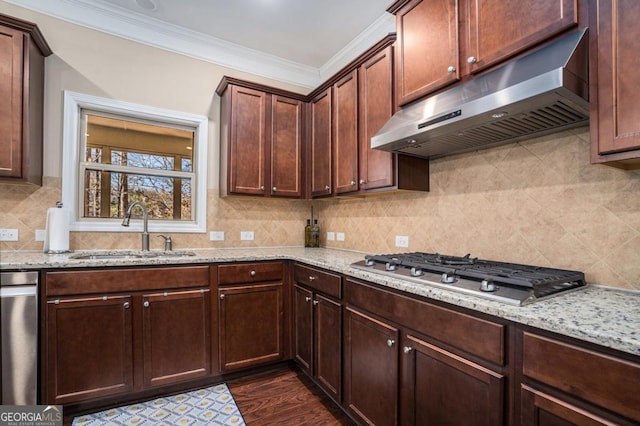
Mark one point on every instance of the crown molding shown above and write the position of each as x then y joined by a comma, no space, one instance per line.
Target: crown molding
119,22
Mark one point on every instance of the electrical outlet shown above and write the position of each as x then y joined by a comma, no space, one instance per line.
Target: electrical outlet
340,236
402,241
216,236
331,236
8,234
40,234
246,235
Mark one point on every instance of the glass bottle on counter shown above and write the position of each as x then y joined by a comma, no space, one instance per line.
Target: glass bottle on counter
315,234
308,241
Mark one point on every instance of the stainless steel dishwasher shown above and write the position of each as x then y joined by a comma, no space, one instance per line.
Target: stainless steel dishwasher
19,335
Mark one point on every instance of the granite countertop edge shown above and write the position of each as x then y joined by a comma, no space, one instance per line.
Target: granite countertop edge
606,316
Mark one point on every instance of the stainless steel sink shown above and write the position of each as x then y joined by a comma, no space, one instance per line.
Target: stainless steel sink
130,255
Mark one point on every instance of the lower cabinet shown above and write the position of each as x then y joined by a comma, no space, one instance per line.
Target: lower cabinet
317,329
100,341
251,314
371,369
564,384
441,388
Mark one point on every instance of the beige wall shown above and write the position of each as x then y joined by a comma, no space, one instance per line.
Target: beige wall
538,201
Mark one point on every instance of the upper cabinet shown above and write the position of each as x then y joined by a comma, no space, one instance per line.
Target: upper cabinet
443,41
22,53
615,76
345,131
260,140
320,144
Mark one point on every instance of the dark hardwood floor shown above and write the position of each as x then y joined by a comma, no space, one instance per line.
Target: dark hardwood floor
284,397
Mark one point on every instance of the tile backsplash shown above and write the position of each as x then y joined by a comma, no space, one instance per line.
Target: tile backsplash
538,202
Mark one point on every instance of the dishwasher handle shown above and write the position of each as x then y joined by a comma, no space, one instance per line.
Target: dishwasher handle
19,278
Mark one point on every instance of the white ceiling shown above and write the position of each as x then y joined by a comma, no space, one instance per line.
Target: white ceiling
301,42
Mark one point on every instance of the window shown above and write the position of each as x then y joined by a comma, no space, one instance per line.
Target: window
116,153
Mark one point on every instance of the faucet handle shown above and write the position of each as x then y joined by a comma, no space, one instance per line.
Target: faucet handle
167,242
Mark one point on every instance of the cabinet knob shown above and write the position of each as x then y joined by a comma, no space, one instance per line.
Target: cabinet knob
353,182
391,342
146,304
311,278
126,305
451,69
471,60
307,299
362,181
274,189
252,273
222,297
315,302
261,187
327,187
407,349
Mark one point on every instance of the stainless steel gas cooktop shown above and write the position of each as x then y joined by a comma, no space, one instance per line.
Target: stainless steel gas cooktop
510,283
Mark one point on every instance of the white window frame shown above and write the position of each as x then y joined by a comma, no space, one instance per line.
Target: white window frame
72,196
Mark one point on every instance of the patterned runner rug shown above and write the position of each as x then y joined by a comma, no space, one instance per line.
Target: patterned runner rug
209,406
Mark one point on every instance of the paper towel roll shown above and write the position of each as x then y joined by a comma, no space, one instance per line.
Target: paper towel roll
56,238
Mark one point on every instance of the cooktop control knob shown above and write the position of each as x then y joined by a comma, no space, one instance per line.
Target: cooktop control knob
369,262
488,285
390,266
416,272
449,278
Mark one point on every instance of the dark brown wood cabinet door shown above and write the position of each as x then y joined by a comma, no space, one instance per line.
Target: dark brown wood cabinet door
328,345
499,29
428,48
617,117
321,141
303,328
376,167
345,131
247,144
251,325
286,147
371,369
442,388
89,349
11,83
541,409
176,336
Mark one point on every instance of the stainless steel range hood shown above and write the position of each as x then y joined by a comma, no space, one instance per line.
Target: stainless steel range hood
540,93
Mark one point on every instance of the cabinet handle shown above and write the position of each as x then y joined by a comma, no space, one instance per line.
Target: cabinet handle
327,187
407,349
451,69
126,305
471,60
307,299
315,302
222,297
311,278
353,182
390,342
362,181
252,273
274,189
146,304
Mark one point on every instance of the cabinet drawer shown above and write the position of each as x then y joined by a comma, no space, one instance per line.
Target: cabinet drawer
328,283
475,336
603,380
250,272
116,280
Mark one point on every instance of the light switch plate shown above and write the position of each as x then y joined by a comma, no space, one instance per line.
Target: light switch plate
8,234
340,236
331,236
216,236
246,235
40,234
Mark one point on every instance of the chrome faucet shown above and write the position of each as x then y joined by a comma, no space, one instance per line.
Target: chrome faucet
145,218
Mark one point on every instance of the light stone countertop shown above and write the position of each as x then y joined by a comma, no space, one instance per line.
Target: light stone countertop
603,315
